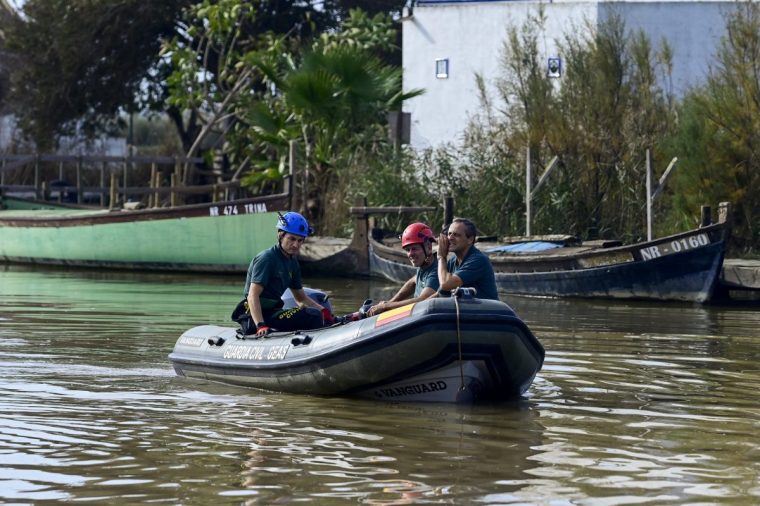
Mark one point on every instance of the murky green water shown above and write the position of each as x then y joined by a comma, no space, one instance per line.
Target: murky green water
637,403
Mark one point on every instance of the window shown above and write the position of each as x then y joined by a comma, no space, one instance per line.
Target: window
554,67
442,68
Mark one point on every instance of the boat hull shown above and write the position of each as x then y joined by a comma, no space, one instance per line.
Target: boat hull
682,267
220,237
415,354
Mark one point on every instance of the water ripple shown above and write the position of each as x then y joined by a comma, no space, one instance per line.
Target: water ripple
636,404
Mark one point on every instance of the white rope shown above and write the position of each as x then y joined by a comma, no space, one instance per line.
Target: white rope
459,340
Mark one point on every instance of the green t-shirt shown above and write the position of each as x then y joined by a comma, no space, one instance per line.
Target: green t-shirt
476,271
276,272
427,278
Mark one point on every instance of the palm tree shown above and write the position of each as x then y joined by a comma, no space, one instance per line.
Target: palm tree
337,101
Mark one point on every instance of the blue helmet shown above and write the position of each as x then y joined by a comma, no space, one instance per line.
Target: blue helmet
293,223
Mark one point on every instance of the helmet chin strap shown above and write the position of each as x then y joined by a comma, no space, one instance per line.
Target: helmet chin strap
428,256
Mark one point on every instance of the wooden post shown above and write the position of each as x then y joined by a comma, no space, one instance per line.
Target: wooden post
152,196
724,212
126,167
305,180
706,218
102,184
448,211
173,197
113,196
359,241
60,181
37,188
79,180
290,181
649,196
528,177
156,187
174,200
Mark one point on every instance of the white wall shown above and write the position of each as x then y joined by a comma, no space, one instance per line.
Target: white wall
471,35
692,29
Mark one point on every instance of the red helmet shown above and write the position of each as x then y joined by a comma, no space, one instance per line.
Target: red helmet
416,233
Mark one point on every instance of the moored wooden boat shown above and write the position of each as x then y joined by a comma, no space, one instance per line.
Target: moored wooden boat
209,237
680,267
440,350
220,237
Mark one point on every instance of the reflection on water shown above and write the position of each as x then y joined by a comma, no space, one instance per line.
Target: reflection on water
637,403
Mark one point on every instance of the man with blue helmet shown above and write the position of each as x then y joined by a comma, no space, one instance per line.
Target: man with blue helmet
272,272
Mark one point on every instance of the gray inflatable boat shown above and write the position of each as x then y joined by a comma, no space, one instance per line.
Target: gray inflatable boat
439,350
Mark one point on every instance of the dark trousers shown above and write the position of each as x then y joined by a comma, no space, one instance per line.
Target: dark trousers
297,318
286,320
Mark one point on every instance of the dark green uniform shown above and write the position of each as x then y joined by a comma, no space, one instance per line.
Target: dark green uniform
277,272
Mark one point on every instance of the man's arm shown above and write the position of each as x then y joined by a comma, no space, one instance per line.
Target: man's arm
406,290
426,293
303,299
403,293
447,280
254,302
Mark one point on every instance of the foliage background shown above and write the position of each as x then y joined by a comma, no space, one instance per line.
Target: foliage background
244,82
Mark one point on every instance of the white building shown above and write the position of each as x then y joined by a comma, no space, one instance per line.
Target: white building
446,43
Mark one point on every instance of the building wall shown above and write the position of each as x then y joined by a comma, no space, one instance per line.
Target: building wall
471,35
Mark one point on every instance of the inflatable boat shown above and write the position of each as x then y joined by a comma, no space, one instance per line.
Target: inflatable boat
457,349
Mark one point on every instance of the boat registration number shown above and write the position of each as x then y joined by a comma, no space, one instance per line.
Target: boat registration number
676,246
235,209
259,352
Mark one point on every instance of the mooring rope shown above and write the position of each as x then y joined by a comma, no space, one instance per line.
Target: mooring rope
459,340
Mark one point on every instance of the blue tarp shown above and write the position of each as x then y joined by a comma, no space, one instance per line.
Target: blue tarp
524,247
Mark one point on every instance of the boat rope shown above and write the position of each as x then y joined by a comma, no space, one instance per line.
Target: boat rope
455,296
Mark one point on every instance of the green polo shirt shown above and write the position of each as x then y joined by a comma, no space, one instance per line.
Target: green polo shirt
276,272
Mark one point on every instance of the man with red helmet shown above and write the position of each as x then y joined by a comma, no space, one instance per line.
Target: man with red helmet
417,240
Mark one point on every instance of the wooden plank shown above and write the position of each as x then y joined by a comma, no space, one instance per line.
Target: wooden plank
160,160
389,210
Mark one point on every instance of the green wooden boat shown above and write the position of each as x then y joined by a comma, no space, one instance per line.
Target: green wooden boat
210,237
